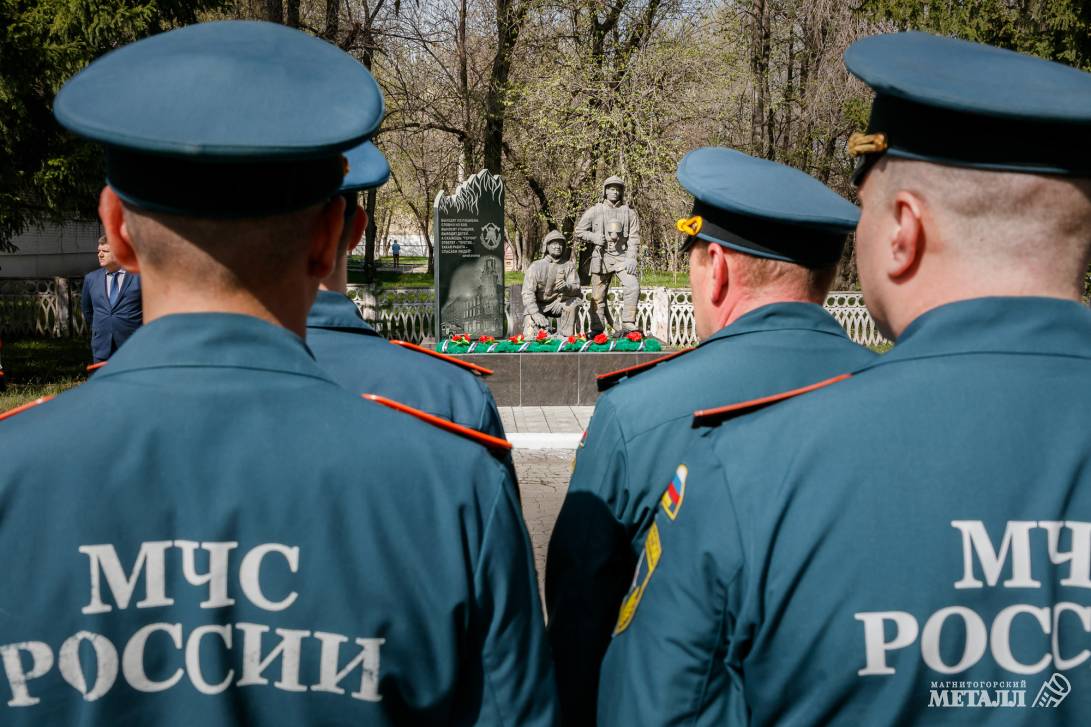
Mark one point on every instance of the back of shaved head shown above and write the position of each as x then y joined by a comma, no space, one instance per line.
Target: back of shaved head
1001,222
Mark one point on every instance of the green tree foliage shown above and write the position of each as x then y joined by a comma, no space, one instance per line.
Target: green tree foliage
46,174
1059,30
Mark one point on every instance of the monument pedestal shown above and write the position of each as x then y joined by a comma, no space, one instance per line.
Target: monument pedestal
551,379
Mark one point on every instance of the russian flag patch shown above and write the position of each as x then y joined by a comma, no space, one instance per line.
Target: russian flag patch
675,493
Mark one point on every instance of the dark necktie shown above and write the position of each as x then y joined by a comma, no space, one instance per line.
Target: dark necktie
113,287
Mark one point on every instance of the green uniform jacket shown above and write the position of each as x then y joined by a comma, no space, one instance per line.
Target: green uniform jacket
908,546
638,434
212,532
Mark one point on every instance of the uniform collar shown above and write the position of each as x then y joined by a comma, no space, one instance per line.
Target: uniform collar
336,311
780,317
223,340
1028,325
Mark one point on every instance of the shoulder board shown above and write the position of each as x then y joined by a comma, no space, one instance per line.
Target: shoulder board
96,366
20,409
493,443
705,417
605,381
474,368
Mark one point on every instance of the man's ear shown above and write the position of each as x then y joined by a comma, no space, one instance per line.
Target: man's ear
112,213
326,238
720,273
908,243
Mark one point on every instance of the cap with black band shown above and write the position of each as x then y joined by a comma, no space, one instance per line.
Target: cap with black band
224,119
764,209
956,103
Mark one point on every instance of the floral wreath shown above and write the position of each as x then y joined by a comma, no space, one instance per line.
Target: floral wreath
543,342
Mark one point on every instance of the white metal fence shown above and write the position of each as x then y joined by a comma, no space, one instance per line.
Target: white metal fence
666,313
50,308
41,307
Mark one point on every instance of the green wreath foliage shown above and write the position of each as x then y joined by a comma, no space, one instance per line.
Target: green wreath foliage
551,345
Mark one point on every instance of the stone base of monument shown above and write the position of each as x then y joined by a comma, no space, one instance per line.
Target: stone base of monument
551,379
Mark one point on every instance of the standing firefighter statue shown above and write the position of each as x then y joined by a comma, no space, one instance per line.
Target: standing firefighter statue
551,289
610,233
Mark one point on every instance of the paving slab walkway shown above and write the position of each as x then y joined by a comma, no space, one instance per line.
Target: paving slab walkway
545,439
543,481
545,427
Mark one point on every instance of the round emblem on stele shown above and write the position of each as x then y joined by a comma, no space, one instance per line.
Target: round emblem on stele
490,236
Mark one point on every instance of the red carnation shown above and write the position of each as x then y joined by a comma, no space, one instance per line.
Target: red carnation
601,338
485,339
518,338
571,339
635,335
542,335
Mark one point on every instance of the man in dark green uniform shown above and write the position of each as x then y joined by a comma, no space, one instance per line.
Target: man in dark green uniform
764,241
211,531
911,545
360,359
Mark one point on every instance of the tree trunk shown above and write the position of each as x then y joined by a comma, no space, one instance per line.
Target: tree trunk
333,20
369,238
426,230
369,233
759,67
786,144
509,21
272,10
466,162
388,217
516,262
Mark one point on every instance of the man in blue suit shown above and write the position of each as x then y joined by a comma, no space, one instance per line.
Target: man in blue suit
111,303
764,241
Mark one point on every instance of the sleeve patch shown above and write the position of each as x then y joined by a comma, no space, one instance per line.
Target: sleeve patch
649,559
675,493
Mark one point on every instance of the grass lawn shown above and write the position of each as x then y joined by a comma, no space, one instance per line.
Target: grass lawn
403,261
42,367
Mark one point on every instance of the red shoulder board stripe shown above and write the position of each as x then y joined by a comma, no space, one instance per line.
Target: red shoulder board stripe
479,370
96,366
702,416
493,443
605,381
20,409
